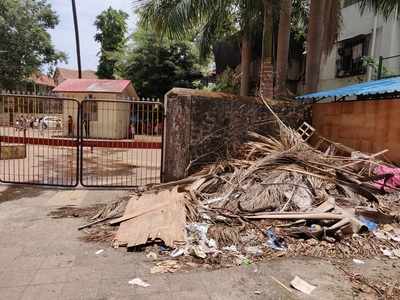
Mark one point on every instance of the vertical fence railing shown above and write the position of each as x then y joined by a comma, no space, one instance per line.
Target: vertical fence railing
388,66
34,145
121,143
48,140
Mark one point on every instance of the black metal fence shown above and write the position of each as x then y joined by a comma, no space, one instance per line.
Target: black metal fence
39,126
121,143
62,142
388,67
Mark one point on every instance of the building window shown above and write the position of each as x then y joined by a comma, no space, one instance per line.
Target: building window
350,56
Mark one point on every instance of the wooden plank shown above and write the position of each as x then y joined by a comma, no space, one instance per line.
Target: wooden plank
158,216
297,216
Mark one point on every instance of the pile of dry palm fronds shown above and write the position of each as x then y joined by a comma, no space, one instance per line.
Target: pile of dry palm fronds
286,189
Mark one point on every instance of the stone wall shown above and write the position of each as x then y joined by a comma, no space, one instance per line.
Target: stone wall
203,127
369,126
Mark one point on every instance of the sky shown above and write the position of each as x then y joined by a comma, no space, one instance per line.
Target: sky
63,35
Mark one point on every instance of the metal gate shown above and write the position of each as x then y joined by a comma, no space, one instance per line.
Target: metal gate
121,143
63,142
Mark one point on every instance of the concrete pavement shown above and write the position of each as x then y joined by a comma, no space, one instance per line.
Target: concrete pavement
43,258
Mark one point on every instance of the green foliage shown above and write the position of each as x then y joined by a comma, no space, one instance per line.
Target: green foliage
227,82
299,19
25,45
111,30
208,20
155,66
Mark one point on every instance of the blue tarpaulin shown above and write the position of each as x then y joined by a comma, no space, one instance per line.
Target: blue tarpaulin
375,87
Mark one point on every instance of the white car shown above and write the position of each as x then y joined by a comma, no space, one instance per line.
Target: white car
51,122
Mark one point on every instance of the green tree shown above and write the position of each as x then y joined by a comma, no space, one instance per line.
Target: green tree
211,20
25,45
111,30
155,66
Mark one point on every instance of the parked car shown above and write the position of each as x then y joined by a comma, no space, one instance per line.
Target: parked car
50,122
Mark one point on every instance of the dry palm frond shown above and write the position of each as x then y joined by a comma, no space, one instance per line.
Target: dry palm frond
191,205
224,235
112,209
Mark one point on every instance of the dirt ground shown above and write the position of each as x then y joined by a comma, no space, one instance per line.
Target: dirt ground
43,256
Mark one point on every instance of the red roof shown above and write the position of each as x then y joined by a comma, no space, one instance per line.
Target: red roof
93,85
41,79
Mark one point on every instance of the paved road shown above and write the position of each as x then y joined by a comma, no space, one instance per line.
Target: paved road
42,258
101,166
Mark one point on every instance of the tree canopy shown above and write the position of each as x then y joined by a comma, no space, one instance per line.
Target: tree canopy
208,20
25,44
155,66
111,30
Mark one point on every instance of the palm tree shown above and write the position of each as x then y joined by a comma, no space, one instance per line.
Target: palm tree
314,45
283,47
385,7
323,29
211,19
266,69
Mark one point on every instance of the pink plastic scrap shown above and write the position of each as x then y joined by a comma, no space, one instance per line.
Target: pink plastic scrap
391,180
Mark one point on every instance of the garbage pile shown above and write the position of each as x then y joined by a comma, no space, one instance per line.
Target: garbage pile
283,192
283,197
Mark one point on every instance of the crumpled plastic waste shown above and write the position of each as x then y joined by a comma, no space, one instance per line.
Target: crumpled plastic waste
139,282
199,244
254,250
392,179
371,225
177,252
275,242
197,231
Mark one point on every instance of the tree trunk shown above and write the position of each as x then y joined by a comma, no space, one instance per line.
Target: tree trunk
266,72
314,45
283,47
245,65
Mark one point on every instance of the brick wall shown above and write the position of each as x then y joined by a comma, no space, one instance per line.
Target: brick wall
266,79
369,126
203,127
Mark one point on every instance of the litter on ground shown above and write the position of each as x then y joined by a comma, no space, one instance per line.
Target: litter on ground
139,282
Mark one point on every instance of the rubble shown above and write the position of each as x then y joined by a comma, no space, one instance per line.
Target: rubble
281,197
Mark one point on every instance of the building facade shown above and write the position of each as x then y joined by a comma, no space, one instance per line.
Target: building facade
363,38
107,109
